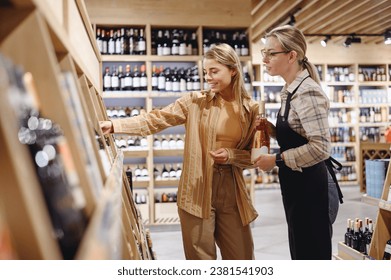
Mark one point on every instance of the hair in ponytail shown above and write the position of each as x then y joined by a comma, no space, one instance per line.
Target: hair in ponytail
292,39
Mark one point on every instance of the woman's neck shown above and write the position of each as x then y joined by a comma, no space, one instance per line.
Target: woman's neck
292,74
227,95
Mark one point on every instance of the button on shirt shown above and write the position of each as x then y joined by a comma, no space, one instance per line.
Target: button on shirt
308,116
199,112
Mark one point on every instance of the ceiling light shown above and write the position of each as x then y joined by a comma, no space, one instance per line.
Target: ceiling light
347,42
292,20
351,39
324,41
387,37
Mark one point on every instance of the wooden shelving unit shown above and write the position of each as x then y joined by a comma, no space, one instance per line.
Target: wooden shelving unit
53,40
371,151
382,230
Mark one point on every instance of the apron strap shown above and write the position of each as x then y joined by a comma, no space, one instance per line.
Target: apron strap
338,166
288,101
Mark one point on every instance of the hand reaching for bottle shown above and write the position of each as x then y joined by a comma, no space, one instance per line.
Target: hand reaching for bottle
270,127
220,156
106,126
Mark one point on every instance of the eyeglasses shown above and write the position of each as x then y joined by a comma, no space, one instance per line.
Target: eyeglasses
269,55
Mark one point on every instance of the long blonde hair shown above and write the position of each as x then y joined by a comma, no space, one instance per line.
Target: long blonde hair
226,55
292,39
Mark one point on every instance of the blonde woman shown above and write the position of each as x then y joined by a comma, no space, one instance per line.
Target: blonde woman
302,132
213,204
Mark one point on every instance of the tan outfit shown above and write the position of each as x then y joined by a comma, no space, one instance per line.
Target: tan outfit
199,112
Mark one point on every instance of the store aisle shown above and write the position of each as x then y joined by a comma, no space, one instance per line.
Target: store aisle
269,229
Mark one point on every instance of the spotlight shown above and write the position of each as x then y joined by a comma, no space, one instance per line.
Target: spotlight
347,42
324,41
387,37
292,20
350,40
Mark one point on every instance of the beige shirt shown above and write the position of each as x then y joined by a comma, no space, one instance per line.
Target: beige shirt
228,130
199,112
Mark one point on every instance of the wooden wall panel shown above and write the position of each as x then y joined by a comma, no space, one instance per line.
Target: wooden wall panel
230,13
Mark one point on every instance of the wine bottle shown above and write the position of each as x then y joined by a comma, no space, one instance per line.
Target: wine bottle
141,43
99,40
261,141
115,79
111,43
368,236
178,171
172,173
165,173
107,79
128,79
128,173
131,42
387,250
143,78
154,81
356,237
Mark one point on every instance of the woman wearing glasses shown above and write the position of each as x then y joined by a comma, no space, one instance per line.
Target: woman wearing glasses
213,204
302,132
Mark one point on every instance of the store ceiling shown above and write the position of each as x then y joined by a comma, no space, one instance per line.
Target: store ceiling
324,17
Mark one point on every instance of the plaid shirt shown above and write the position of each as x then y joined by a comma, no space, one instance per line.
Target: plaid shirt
199,112
308,117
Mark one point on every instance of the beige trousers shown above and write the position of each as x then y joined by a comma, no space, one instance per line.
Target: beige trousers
223,228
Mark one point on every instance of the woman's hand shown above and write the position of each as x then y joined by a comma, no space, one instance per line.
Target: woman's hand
220,156
106,126
270,126
266,162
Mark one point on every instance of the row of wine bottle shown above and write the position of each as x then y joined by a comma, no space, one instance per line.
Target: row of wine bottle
359,237
169,41
163,78
161,141
51,158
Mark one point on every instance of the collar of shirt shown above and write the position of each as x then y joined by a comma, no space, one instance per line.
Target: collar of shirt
289,89
211,95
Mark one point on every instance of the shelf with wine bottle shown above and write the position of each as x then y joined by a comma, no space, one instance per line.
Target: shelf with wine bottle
63,146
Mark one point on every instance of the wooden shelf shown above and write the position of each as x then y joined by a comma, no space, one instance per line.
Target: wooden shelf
63,60
102,239
347,253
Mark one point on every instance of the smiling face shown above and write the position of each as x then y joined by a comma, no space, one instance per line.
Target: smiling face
218,77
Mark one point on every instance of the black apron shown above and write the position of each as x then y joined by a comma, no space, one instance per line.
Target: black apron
305,198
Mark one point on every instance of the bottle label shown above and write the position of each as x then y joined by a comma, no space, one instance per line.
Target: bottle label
141,46
257,152
136,82
387,249
143,81
111,47
128,82
107,82
154,81
114,82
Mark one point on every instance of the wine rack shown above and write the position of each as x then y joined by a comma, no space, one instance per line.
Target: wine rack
67,83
